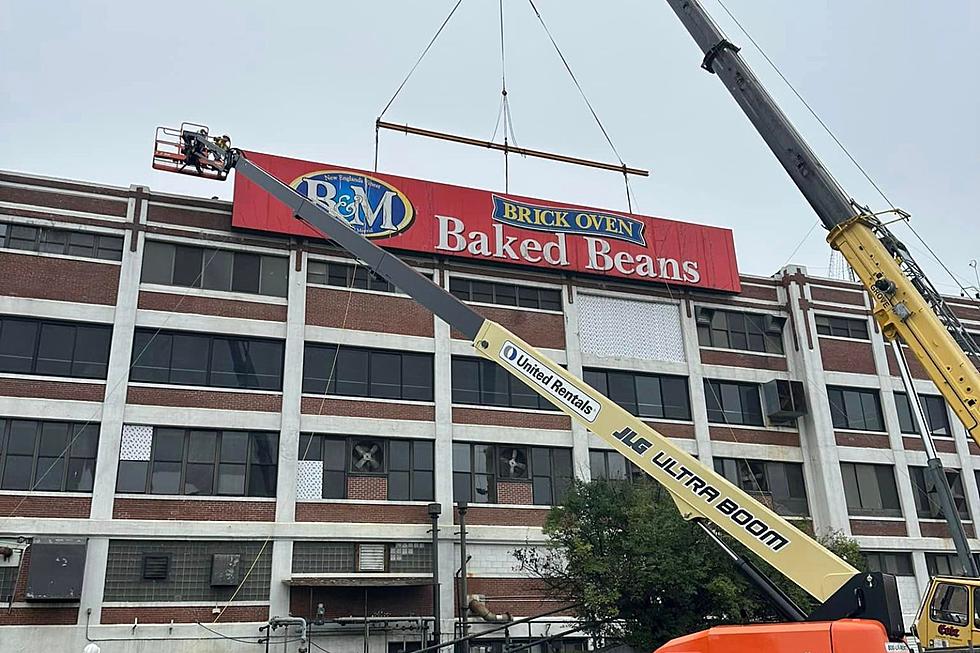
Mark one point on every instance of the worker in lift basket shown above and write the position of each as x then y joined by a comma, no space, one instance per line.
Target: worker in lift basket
197,155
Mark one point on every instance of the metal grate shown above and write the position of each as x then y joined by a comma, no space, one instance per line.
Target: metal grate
624,328
156,567
371,557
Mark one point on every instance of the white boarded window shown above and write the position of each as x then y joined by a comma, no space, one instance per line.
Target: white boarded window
624,328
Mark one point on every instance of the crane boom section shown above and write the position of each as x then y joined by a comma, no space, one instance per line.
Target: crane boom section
906,304
698,491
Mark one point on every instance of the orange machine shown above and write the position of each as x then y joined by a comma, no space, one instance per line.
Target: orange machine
842,636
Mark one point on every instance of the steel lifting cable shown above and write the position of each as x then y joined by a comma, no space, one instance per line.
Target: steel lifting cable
592,110
409,76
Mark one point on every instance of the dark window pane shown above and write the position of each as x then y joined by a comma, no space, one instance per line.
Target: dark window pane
423,488
246,272
17,472
484,491
399,486
318,364
158,263
234,447
481,291
165,478
22,237
23,437
151,357
550,300
275,272
316,272
334,454
266,358
17,342
188,266
217,269
399,455
55,348
91,352
505,295
132,476
461,457
53,241
460,288
199,478
262,481
528,297
386,375
168,444
417,377
50,474
309,447
54,439
85,441
334,485
542,491
80,244
110,248
265,448
201,446
649,399
230,364
461,486
352,372
466,381
231,479
422,455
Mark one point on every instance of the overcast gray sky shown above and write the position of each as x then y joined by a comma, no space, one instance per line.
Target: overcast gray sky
84,84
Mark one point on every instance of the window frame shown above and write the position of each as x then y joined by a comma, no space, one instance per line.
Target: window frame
770,469
535,298
838,411
631,472
101,241
494,477
355,277
251,465
599,379
925,506
883,559
485,368
39,324
934,407
752,330
207,255
835,326
717,395
65,457
877,470
139,372
335,377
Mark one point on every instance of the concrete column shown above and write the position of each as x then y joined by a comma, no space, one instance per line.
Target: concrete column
443,394
113,407
573,358
695,379
825,485
292,394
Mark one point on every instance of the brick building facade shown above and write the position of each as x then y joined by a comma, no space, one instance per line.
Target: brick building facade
186,399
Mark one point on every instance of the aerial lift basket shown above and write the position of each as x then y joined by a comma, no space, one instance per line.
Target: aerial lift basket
174,152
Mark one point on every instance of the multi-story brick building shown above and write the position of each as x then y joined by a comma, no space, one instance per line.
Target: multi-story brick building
207,424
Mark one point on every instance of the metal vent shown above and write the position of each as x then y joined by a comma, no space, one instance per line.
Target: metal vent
371,557
225,569
156,567
783,400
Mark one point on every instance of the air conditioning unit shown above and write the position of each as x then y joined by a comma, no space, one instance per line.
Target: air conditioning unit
57,565
774,325
703,315
783,401
225,569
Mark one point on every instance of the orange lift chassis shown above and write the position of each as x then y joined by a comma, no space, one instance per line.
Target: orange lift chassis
857,612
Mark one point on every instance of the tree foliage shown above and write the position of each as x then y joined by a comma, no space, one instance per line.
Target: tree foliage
638,571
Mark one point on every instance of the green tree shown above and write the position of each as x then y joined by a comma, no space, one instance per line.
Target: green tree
638,571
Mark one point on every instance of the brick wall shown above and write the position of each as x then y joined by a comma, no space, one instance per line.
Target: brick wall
52,389
940,529
496,516
754,436
673,430
377,409
189,217
538,329
515,492
44,277
194,510
914,443
211,306
205,398
835,296
39,616
184,614
40,197
367,487
506,417
363,513
876,527
915,366
14,505
847,356
518,596
363,311
754,291
737,359
338,602
873,440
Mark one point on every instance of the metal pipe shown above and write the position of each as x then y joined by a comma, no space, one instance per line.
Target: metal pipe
276,622
463,605
435,509
507,148
934,468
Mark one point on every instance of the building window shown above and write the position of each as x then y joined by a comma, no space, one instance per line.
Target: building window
185,358
482,471
204,463
214,269
47,456
855,409
361,372
644,395
926,503
842,327
54,348
778,485
61,241
613,465
406,464
733,403
746,331
944,564
342,557
345,275
932,405
870,490
897,564
505,294
480,382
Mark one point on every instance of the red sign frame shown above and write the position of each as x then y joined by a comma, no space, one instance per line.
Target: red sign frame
434,218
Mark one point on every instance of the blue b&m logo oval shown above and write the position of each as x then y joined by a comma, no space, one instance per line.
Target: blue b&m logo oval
369,206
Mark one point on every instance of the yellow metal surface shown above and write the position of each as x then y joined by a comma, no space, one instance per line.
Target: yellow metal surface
949,621
944,361
698,491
